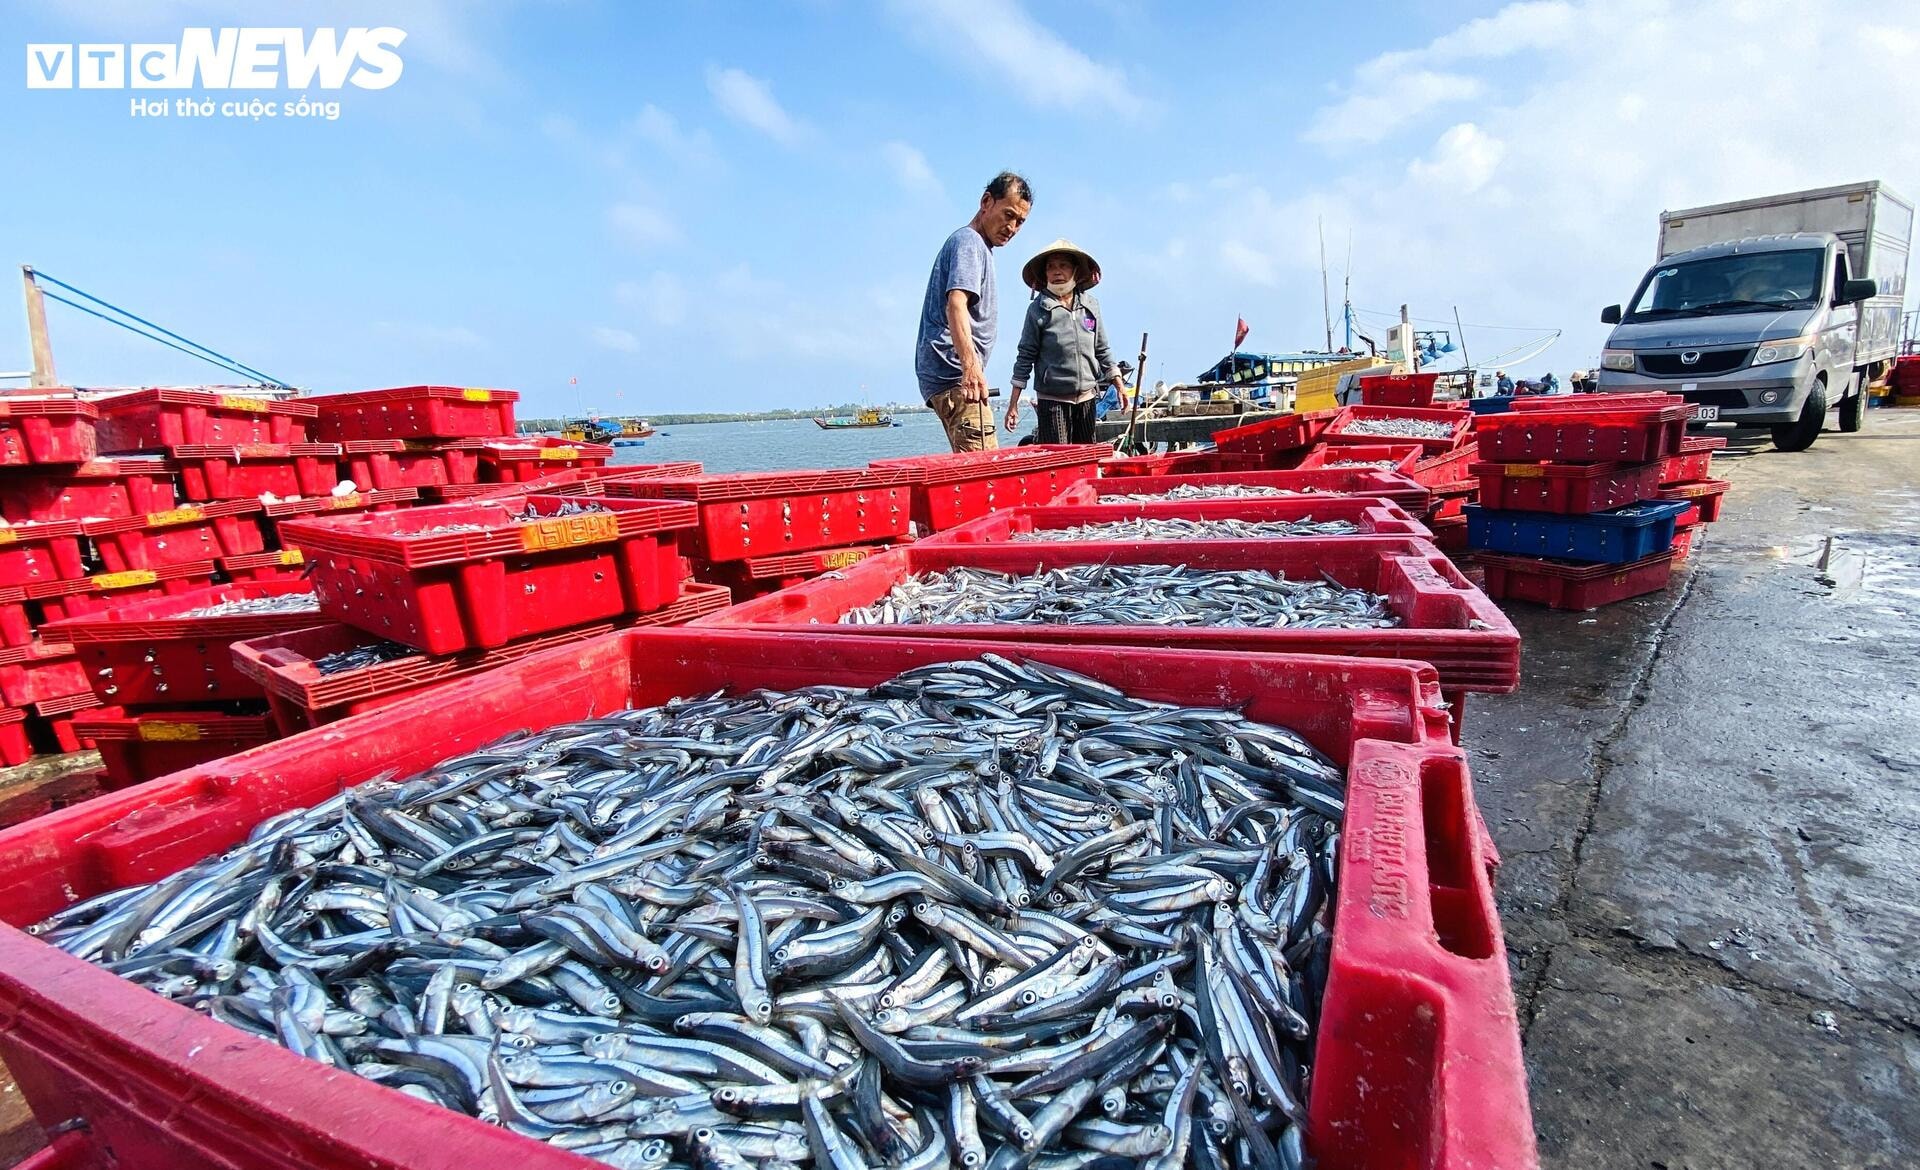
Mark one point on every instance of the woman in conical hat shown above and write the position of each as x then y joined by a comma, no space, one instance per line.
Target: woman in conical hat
1063,345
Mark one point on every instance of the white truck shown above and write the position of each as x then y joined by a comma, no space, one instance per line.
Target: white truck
1767,312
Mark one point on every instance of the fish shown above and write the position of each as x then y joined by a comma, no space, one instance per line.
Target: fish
985,913
361,657
1400,428
1208,491
1176,528
1126,595
1383,464
239,606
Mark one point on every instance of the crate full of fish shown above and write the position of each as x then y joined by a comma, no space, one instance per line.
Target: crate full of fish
137,747
1446,467
229,471
1272,436
755,937
530,457
323,674
1235,520
1400,457
48,550
1569,489
178,649
1613,537
191,532
335,503
1397,389
1560,584
760,575
1250,485
54,601
762,513
1593,428
562,481
482,574
46,430
1434,430
949,489
122,485
150,420
1374,597
383,464
415,412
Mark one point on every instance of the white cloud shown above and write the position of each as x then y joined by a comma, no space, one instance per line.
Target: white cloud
910,167
1044,68
1370,115
658,128
619,340
750,101
1462,162
641,226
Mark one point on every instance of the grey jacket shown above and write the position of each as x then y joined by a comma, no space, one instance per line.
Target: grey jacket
1063,351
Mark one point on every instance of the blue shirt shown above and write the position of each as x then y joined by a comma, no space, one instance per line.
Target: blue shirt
964,263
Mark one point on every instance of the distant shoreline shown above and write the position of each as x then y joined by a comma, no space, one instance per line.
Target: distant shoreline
685,420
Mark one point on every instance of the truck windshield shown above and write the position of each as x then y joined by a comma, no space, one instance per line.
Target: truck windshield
1743,282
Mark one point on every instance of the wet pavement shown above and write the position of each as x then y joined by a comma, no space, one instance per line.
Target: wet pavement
1708,806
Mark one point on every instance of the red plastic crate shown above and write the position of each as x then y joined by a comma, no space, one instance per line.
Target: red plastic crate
57,715
1403,456
15,748
1693,461
1325,481
1447,621
1460,422
191,532
151,653
1583,432
756,576
1418,1061
247,471
1707,496
758,513
574,482
1374,517
1450,499
1185,463
135,748
148,420
1572,489
48,551
519,460
46,430
512,579
1287,432
41,671
950,489
329,504
125,485
59,600
1566,585
384,464
283,665
1449,467
1450,534
1397,389
415,412
1685,540
287,564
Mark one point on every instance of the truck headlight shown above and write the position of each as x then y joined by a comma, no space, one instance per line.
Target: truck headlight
1617,359
1789,349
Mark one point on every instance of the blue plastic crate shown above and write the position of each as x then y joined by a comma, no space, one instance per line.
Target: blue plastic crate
1614,538
1492,404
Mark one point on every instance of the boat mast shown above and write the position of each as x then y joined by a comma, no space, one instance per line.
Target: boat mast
1326,308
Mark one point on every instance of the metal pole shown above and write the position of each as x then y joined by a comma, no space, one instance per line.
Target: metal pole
1408,350
1462,333
43,374
1326,308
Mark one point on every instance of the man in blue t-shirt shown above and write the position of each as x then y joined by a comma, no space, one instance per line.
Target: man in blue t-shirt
960,316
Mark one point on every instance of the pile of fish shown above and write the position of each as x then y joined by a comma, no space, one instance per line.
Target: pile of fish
525,514
361,657
1182,529
282,603
1125,595
1383,464
1208,491
1400,428
986,915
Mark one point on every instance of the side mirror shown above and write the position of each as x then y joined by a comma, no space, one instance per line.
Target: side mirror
1610,315
1853,292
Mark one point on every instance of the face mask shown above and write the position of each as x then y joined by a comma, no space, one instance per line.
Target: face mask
1060,288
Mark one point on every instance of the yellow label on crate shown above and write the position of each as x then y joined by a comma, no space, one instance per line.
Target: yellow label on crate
293,556
566,531
237,402
842,558
122,580
8,536
1524,471
259,450
184,514
473,395
169,732
348,501
559,452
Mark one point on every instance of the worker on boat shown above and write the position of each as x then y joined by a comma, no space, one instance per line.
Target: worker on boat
1063,346
960,315
1502,384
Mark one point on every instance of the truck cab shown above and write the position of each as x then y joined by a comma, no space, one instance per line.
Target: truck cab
1760,331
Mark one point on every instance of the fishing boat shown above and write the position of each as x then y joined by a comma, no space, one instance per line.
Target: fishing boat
865,418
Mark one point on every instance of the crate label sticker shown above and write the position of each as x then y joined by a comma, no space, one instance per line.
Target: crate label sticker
169,732
1524,471
430,445
184,514
565,531
258,451
559,452
122,580
474,395
8,536
293,556
346,501
239,402
842,558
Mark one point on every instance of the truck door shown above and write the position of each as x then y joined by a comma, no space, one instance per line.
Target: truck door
1841,335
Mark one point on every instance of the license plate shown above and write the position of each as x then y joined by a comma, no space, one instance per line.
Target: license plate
1706,413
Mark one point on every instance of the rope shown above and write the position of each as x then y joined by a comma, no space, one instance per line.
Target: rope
205,354
163,341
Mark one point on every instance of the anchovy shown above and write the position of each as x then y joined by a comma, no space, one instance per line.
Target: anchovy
1182,529
279,603
1207,491
1400,428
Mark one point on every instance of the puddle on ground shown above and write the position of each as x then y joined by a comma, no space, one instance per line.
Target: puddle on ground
1872,568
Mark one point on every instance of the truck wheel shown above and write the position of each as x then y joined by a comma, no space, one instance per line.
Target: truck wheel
1799,435
1853,409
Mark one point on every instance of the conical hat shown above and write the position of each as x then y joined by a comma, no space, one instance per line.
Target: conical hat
1035,271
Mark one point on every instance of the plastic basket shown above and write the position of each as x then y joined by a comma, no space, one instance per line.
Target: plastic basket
384,464
1325,481
1287,432
38,672
56,716
1583,431
59,600
1418,1061
104,488
46,430
148,420
1705,497
1449,467
1685,540
952,488
1186,463
509,579
135,748
287,564
191,532
520,460
15,747
1616,537
248,471
1566,488
1564,585
1397,389
1491,404
47,551
415,412
1693,461
1373,517
760,513
1446,621
1402,456
1459,422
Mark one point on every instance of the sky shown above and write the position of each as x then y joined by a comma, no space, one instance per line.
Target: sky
642,208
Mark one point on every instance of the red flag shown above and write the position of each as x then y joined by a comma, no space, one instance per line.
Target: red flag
1239,331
